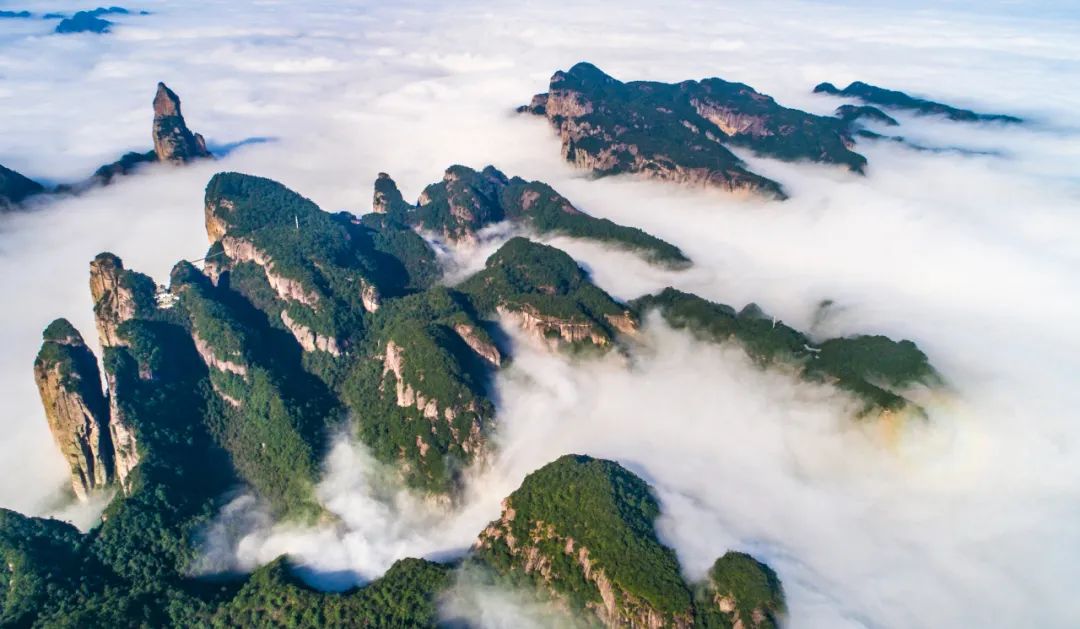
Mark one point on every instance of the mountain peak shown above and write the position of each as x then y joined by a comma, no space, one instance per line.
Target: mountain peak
173,141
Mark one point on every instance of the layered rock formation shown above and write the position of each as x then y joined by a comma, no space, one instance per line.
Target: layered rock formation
466,201
14,187
893,99
173,141
68,380
680,132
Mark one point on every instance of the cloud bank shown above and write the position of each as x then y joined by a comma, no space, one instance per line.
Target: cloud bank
968,519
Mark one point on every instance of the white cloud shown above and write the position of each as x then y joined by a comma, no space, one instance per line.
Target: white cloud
967,520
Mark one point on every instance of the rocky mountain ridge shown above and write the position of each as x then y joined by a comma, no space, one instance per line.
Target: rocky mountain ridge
581,531
893,99
680,131
466,201
302,323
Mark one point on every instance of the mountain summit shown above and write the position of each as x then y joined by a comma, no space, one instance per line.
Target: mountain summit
173,141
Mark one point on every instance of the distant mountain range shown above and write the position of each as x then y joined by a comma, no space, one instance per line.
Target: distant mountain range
682,131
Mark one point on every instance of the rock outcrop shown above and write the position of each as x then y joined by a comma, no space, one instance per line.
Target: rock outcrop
740,592
467,200
894,99
117,294
549,296
479,343
68,380
173,141
582,529
680,131
308,339
14,187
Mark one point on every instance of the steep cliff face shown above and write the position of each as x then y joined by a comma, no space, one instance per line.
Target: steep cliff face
117,295
467,200
326,275
679,131
14,187
422,400
582,530
112,303
549,296
173,141
274,436
68,380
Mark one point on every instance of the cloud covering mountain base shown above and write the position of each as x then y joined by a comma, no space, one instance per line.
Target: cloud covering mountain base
965,519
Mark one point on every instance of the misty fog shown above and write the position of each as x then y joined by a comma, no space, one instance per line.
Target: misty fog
968,518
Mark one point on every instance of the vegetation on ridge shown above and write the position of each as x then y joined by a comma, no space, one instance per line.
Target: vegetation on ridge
875,368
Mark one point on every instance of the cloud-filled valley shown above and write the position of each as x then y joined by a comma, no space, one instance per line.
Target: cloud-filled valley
965,518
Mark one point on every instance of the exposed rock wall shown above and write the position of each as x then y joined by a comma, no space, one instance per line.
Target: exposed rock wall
242,250
173,141
113,302
308,339
485,349
69,383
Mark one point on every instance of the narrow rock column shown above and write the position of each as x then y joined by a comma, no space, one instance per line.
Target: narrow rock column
173,141
68,380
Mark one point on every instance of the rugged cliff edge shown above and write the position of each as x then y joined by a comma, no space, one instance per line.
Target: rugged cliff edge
680,131
302,323
68,380
548,295
581,531
173,141
466,201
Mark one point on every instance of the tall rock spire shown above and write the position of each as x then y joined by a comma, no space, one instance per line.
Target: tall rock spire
68,380
114,300
173,141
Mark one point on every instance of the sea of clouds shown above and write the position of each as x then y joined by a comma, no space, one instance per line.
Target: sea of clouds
967,519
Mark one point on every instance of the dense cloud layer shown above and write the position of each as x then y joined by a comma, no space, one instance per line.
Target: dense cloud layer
968,519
